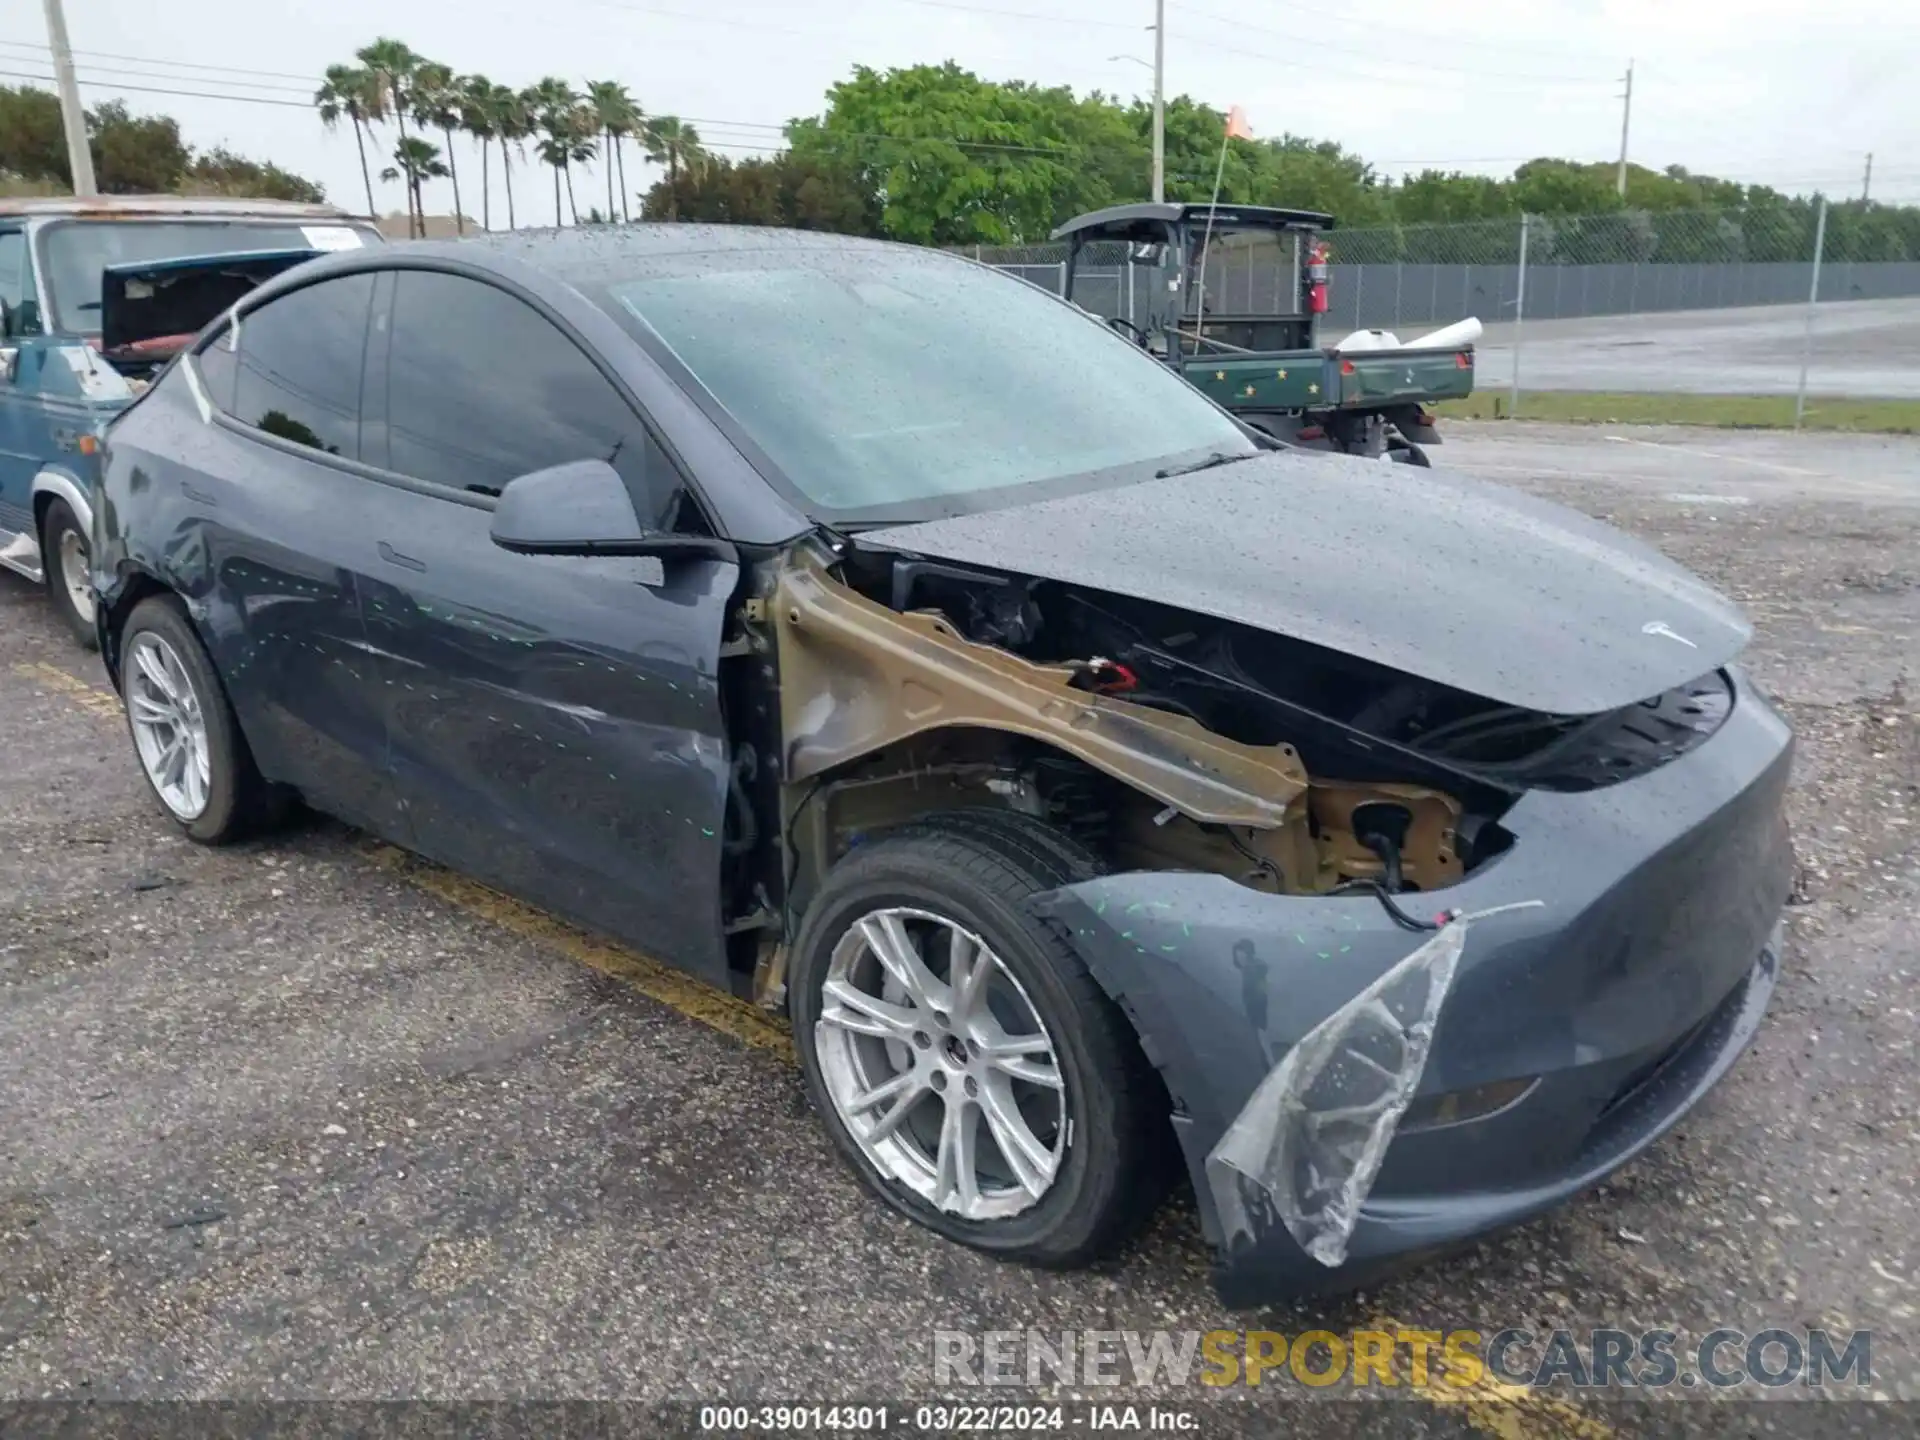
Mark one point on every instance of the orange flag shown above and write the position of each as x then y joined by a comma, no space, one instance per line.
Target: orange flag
1237,126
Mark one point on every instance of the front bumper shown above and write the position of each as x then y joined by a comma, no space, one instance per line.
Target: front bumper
1628,995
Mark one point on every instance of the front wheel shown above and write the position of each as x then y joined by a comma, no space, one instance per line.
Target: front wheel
968,1067
66,561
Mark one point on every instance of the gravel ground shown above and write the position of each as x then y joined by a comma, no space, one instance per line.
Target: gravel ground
299,1120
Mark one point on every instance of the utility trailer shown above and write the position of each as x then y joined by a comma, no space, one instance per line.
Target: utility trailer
1233,296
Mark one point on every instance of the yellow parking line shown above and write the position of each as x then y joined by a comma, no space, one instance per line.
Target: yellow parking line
729,1014
1507,1412
1498,1408
91,698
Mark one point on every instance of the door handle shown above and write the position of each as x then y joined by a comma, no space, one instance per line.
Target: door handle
406,562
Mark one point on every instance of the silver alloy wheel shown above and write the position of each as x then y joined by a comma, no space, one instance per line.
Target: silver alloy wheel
74,573
169,727
940,1065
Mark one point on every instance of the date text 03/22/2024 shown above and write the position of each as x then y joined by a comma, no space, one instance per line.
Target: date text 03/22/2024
943,1419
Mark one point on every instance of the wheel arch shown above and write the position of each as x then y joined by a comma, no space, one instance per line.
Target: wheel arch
135,586
54,483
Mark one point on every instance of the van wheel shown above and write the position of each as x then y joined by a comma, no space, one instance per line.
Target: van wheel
189,745
65,560
968,1067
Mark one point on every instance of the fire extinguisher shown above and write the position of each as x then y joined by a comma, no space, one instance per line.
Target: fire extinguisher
1317,278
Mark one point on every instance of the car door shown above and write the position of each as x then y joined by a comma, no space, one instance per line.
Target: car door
555,721
277,543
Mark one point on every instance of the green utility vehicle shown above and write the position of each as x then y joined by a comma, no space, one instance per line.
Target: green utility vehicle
1231,297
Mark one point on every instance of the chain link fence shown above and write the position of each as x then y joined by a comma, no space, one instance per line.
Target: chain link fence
1786,299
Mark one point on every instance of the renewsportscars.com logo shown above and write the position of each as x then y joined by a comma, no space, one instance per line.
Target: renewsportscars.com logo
1415,1359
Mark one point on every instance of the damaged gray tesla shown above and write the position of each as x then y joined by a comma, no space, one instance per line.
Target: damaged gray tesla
1103,791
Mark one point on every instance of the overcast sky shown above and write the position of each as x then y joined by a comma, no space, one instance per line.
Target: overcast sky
1780,91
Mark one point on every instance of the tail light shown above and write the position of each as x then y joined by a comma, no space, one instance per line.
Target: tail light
1462,361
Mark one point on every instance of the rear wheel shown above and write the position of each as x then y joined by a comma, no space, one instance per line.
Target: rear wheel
190,747
967,1065
66,561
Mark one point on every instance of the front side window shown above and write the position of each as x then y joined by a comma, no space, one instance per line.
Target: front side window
482,388
892,384
16,284
74,252
297,366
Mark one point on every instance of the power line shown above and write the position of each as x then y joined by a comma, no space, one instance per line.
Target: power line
164,90
39,48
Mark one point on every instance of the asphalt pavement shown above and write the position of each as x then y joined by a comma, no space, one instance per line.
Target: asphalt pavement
1859,349
302,1119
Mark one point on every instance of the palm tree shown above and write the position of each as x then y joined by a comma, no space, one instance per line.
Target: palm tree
672,142
416,161
617,116
477,119
436,102
392,66
513,124
351,92
552,102
581,148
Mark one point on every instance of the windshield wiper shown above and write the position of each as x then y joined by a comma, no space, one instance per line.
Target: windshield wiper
1218,457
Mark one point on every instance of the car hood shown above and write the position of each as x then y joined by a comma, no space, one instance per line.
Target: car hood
1436,575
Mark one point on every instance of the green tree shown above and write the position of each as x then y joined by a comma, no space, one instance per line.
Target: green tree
221,172
437,99
136,154
956,160
415,161
672,142
392,64
618,117
785,189
349,92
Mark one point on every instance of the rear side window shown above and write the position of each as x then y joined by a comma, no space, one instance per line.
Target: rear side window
482,388
298,365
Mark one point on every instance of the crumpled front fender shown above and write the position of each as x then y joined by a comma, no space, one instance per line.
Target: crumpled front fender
1644,967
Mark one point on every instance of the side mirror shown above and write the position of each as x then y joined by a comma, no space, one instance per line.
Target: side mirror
582,508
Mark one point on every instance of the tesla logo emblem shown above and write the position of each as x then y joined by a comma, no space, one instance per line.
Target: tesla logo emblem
1660,627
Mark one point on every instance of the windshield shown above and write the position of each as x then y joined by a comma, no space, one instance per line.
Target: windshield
73,253
889,385
1248,272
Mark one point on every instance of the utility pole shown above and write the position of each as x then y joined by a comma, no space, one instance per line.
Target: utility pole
1866,185
79,157
1626,119
1159,99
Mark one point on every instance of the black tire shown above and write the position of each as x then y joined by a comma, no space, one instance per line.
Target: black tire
1405,452
239,802
978,868
56,525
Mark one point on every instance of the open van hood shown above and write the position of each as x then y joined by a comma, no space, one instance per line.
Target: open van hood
151,308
